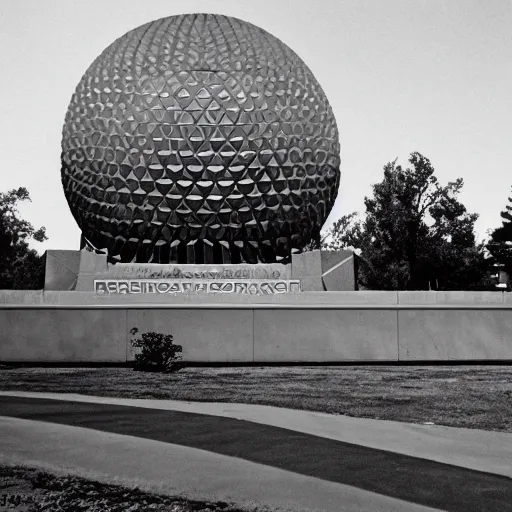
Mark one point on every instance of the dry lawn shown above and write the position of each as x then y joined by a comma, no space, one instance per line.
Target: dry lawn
460,396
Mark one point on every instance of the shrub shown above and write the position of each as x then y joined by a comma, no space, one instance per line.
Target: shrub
159,352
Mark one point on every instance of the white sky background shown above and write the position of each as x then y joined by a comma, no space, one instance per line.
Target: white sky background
433,76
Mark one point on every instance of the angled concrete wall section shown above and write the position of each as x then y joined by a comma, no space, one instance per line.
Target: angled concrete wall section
73,270
338,270
61,269
92,266
325,270
308,268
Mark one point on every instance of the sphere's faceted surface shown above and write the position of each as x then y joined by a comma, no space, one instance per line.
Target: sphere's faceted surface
199,139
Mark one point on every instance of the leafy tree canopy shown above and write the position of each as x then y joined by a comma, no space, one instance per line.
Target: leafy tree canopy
415,235
500,243
20,266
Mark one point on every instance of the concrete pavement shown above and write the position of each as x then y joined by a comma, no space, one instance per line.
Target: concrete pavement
253,454
480,450
179,471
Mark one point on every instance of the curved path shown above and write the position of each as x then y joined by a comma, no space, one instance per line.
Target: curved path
261,455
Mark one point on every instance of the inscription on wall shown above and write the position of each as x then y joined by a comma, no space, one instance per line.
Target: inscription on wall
232,272
162,286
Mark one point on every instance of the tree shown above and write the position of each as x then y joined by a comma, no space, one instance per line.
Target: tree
416,234
500,243
20,266
345,233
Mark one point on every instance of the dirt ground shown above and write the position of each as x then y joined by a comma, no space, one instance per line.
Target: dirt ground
459,396
30,490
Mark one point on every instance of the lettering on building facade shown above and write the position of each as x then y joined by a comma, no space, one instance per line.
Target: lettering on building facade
162,286
232,272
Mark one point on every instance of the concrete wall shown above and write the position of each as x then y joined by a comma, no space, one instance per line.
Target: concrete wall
205,335
61,269
338,270
312,335
304,327
325,270
21,297
455,335
63,335
91,298
454,298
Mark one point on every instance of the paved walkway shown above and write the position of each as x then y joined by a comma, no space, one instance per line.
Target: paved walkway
480,450
262,455
176,470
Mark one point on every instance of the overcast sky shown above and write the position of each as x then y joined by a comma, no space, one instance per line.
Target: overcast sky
401,75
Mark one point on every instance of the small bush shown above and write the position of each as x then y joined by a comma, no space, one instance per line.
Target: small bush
159,352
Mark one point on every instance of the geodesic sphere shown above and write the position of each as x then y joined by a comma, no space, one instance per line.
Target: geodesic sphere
199,139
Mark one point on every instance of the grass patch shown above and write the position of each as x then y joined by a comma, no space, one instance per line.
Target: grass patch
459,396
30,490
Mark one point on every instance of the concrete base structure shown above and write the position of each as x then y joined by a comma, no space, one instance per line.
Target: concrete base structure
316,270
309,327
